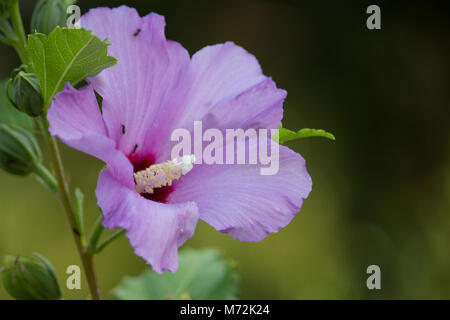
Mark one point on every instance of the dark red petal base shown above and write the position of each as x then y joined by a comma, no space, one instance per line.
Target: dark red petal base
141,163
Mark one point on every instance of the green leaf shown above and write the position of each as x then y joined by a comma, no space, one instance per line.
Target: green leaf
109,240
201,275
10,115
284,135
66,55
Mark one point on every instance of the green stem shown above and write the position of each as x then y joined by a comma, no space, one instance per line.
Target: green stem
46,177
109,240
16,20
62,186
79,197
95,235
93,246
85,255
7,33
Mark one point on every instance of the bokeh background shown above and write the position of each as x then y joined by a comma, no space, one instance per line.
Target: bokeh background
381,190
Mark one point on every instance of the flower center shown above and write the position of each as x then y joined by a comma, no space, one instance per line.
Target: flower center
161,174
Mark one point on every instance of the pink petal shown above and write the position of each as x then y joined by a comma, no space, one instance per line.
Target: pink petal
75,118
155,230
238,200
228,87
146,80
221,72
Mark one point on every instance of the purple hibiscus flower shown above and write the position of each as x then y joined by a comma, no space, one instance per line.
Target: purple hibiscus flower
155,88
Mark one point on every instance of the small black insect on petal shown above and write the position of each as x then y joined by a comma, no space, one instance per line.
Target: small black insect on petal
137,32
135,148
124,129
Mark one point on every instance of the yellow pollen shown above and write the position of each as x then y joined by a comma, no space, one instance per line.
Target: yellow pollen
162,174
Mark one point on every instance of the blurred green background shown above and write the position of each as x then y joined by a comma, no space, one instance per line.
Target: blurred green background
380,191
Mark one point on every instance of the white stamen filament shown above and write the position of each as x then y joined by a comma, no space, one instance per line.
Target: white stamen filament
162,174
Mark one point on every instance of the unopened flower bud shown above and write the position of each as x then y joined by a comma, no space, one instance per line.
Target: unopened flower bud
48,14
27,93
29,278
19,151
